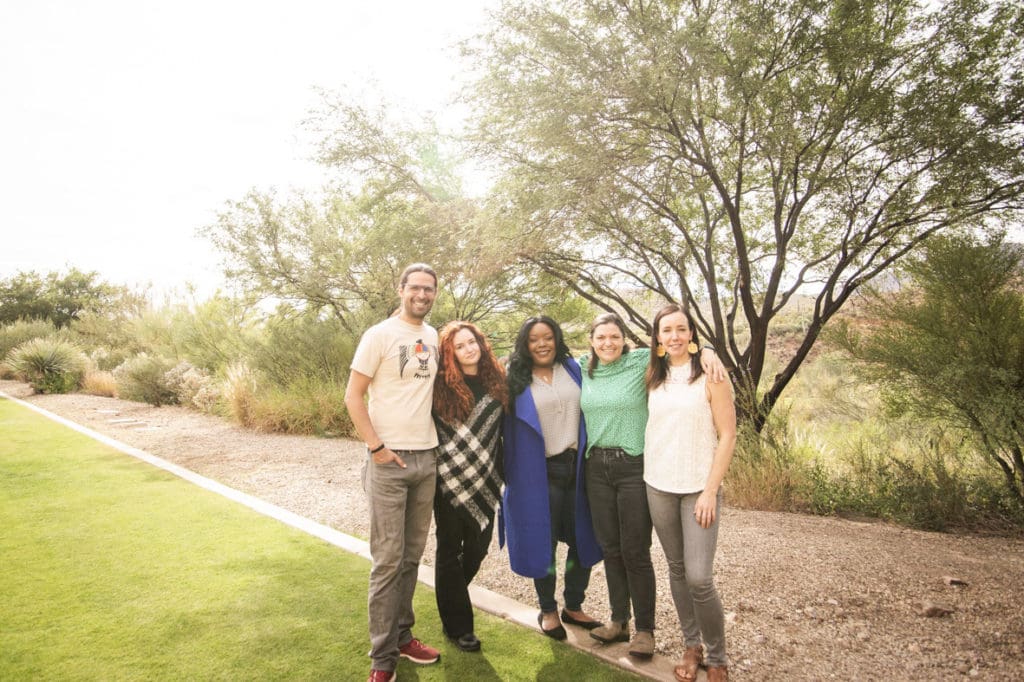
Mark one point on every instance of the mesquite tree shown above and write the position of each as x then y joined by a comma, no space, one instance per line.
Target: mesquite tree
729,155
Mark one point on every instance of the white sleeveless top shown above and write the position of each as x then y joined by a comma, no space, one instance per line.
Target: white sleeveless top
680,437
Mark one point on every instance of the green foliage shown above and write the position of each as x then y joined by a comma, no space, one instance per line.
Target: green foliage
49,364
143,378
732,155
398,200
767,471
214,333
16,333
950,349
295,348
305,406
61,299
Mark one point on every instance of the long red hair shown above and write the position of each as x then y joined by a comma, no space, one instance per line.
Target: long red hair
453,399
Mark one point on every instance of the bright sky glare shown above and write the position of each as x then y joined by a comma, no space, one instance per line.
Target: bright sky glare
125,125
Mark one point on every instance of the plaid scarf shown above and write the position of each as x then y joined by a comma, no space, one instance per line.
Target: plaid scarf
468,462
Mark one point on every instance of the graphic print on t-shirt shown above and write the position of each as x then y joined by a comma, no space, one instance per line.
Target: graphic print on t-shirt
421,353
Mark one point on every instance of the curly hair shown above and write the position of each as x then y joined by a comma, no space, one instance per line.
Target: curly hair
657,368
520,364
453,400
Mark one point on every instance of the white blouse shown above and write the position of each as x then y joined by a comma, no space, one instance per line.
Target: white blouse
680,437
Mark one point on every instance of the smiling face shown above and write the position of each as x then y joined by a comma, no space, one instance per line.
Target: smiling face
674,334
607,342
541,344
417,295
467,351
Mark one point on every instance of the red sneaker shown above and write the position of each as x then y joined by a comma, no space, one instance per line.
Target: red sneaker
382,676
418,652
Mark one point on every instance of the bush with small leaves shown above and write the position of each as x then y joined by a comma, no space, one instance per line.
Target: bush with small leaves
143,378
49,364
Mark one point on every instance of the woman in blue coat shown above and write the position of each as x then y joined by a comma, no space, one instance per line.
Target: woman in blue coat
544,500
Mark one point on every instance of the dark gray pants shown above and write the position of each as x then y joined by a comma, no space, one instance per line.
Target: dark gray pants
622,523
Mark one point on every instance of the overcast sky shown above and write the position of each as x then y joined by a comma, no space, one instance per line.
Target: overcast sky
126,124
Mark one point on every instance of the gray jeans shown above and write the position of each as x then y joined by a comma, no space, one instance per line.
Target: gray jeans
690,551
401,505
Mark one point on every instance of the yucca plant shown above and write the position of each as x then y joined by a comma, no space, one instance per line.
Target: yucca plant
50,365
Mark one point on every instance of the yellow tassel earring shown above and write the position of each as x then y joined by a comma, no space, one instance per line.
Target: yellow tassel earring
660,351
692,348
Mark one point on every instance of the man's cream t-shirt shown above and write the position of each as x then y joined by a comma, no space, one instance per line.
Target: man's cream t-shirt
401,361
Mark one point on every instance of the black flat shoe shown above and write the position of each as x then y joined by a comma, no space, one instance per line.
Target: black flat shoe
554,633
585,624
466,642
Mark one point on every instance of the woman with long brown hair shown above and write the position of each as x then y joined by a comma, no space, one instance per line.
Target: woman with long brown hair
689,440
470,398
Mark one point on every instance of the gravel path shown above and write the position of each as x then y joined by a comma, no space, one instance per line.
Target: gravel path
806,598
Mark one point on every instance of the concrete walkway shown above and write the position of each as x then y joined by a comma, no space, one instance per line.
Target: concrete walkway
658,668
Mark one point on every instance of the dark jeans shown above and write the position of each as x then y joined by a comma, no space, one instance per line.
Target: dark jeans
562,500
622,523
461,547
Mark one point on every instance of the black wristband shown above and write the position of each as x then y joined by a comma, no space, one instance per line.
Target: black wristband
377,449
708,346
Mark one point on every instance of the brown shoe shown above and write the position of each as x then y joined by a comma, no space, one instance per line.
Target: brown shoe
642,645
718,673
686,671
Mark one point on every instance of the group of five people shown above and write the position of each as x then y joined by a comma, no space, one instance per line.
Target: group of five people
592,454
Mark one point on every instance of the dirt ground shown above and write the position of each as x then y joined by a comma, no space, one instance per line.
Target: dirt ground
806,598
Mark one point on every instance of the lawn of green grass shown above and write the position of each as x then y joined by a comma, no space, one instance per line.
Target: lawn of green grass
112,569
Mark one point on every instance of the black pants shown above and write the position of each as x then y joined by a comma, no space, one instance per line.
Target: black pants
461,547
622,523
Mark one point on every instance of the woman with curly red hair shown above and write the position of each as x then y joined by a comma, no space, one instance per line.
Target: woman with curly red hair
470,399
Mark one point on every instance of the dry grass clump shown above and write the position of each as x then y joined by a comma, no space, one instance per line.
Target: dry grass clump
99,382
239,392
307,407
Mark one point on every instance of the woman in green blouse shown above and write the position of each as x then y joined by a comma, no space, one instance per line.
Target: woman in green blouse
614,404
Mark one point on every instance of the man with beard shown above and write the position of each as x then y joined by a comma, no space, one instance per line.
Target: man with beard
395,363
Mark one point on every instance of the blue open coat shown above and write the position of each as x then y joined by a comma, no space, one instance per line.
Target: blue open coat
525,520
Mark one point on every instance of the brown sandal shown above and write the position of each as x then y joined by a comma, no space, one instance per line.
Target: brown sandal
686,671
718,673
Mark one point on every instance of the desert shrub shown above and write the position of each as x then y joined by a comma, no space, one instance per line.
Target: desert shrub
194,387
107,359
16,333
303,348
915,474
186,382
209,398
143,378
305,407
213,333
99,382
49,364
769,469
